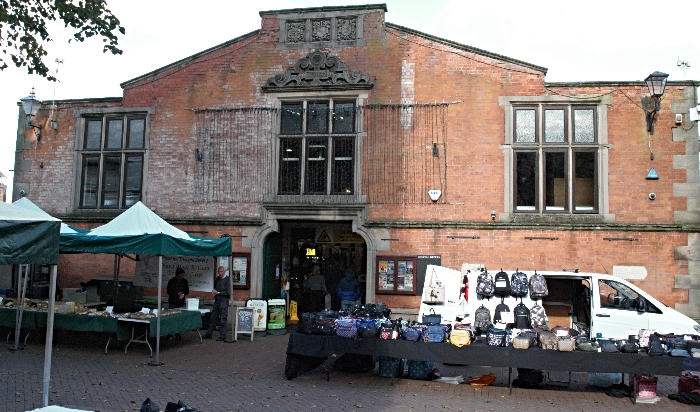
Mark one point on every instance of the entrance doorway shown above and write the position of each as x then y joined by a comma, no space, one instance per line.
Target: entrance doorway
332,246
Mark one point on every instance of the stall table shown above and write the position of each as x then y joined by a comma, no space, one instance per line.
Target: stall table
122,327
305,352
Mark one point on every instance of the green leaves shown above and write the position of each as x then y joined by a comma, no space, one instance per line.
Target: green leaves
23,29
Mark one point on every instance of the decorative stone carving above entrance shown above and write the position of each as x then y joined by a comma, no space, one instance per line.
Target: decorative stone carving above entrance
318,71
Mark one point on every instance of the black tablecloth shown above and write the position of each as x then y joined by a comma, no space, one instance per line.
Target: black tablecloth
304,348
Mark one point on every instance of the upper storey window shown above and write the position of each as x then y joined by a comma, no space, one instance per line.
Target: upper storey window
112,157
556,159
317,147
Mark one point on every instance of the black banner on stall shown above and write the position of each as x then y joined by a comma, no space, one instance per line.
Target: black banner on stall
422,263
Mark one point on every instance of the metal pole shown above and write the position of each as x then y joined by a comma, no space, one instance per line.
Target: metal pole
20,308
160,293
48,348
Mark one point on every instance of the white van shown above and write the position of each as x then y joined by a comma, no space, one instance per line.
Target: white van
592,303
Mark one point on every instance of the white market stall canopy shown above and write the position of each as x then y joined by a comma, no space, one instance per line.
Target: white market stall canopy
140,231
29,205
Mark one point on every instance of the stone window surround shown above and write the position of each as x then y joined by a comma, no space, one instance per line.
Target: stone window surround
333,16
80,115
601,103
275,100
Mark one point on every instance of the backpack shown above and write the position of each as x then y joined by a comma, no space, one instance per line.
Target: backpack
538,318
519,284
482,319
522,316
538,286
656,347
484,285
502,307
502,284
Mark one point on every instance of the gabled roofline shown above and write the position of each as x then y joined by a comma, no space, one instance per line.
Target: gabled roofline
85,100
326,9
467,48
189,59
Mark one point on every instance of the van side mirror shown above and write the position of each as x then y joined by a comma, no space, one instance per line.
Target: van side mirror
641,304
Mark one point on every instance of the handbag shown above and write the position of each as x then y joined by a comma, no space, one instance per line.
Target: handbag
367,328
432,317
521,342
688,383
412,334
587,345
389,331
460,337
346,327
498,337
606,345
548,340
435,294
434,333
566,344
323,326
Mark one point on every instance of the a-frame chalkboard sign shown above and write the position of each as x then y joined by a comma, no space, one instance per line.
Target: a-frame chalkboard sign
244,322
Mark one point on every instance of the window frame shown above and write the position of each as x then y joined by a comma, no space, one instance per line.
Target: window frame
125,155
330,137
569,146
395,288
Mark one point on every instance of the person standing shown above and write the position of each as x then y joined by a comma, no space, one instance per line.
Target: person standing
315,290
349,291
178,288
219,314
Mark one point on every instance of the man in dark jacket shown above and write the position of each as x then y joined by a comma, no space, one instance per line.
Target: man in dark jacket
178,288
219,314
348,290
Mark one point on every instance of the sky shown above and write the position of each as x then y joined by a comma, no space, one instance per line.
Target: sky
576,41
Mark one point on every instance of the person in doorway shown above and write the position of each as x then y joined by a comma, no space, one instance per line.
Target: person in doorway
316,291
219,314
348,290
334,275
178,288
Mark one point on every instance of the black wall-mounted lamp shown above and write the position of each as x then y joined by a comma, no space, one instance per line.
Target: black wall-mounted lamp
656,82
31,105
199,155
436,153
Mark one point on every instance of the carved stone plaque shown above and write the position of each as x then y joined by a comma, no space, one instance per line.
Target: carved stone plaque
347,29
295,31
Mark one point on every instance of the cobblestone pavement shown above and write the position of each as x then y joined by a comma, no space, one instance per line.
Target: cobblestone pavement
249,376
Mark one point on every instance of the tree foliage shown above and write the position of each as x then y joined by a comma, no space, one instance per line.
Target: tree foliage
23,30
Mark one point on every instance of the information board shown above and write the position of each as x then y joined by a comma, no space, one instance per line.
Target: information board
244,322
199,271
422,262
259,307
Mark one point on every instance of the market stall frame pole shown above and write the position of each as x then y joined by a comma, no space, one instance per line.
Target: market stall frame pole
48,348
19,298
160,294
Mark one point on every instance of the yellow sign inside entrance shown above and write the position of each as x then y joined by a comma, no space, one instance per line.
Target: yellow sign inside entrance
346,236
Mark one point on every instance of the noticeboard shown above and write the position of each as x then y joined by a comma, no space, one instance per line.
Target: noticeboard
199,271
244,322
422,262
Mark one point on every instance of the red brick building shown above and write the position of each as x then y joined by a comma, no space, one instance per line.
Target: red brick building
322,136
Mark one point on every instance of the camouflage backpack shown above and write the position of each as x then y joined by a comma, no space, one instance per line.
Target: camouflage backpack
538,286
484,284
519,284
538,318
